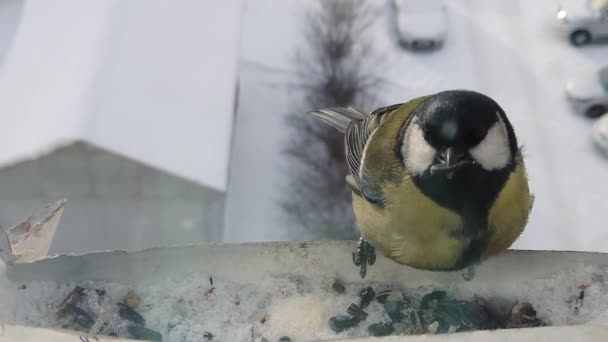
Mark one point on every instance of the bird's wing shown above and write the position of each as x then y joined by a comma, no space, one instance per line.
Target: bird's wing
358,128
383,110
357,136
340,118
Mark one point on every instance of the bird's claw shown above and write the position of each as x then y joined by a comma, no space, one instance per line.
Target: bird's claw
363,256
469,274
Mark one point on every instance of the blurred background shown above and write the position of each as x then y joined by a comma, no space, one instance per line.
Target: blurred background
539,60
125,108
179,122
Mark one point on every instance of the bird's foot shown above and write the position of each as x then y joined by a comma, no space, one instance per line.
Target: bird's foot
469,274
363,256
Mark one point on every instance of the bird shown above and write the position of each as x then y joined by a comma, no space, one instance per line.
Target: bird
438,183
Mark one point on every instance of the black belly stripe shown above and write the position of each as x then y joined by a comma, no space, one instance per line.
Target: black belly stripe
471,194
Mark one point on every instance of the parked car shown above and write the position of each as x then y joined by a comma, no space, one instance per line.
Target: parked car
420,24
584,21
600,134
588,93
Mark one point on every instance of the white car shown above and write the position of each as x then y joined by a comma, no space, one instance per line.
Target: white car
600,134
420,24
583,21
588,93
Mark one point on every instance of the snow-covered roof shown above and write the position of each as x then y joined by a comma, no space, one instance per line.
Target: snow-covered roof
108,73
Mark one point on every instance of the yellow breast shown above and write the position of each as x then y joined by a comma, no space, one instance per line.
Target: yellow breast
413,230
509,215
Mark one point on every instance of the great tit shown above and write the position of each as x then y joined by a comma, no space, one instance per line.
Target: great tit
438,183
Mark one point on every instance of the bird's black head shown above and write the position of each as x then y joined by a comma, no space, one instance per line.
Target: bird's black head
455,130
459,148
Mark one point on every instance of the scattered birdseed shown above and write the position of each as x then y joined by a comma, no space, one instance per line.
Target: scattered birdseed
341,323
132,300
305,308
146,334
366,295
356,311
381,329
258,316
337,285
131,315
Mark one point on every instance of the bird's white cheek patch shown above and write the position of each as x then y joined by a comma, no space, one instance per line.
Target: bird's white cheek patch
493,152
416,151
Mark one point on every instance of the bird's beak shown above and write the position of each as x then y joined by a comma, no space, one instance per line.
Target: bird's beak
449,160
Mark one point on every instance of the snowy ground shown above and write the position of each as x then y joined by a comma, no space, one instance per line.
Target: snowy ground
509,50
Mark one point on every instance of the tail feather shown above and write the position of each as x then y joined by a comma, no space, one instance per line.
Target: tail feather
339,118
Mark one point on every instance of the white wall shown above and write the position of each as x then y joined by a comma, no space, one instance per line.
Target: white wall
46,72
10,16
150,79
164,93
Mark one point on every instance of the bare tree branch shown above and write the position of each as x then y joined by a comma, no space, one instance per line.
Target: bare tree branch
336,67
